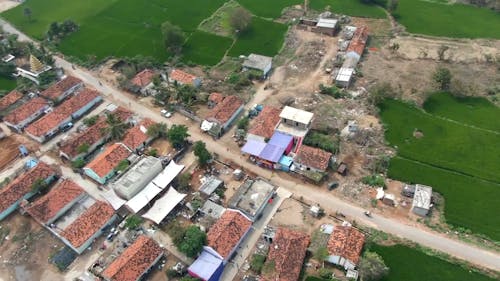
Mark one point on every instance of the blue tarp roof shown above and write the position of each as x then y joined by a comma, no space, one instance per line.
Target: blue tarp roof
281,140
206,265
272,153
253,147
31,163
286,161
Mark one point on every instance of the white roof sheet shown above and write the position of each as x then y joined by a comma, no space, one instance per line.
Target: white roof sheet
113,199
258,62
344,74
142,198
328,23
168,174
422,198
164,205
297,115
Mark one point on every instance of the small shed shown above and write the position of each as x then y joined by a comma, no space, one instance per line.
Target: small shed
389,199
327,26
342,169
210,185
422,200
258,62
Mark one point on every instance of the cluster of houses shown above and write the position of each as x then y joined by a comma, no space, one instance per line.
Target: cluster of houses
352,48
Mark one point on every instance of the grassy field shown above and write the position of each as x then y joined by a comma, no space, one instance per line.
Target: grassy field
264,38
205,48
266,8
413,265
425,17
7,84
458,160
349,7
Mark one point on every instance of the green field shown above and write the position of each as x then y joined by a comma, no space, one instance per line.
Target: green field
349,7
264,37
7,84
437,19
407,264
458,160
205,48
266,8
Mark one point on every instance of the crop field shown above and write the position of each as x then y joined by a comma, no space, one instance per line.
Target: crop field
7,84
413,265
205,48
457,20
349,7
457,156
266,8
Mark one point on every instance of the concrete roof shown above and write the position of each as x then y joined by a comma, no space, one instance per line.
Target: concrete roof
147,167
422,198
251,195
344,74
297,115
328,23
257,62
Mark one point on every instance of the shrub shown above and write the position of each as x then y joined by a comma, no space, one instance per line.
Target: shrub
257,263
374,180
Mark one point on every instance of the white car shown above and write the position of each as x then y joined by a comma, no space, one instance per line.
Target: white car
166,113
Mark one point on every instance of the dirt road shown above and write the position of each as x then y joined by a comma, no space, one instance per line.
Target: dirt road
429,239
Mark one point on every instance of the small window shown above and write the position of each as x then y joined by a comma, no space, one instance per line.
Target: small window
296,124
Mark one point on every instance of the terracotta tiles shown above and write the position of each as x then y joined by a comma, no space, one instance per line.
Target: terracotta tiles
134,261
26,110
105,162
22,185
137,135
224,110
182,77
287,252
90,136
358,41
346,242
313,157
266,122
225,234
9,99
87,224
55,91
215,98
143,78
48,206
62,112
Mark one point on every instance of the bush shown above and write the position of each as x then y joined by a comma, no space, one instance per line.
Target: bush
322,141
331,91
78,163
374,180
89,121
192,241
325,273
133,222
257,263
243,123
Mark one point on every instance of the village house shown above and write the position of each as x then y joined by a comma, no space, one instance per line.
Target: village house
180,77
143,82
92,136
222,116
71,109
252,197
9,101
135,261
287,253
422,200
326,26
80,234
344,246
26,113
56,202
353,55
313,159
32,70
209,186
260,63
22,188
223,239
272,154
262,128
214,99
137,177
103,167
136,138
295,122
62,89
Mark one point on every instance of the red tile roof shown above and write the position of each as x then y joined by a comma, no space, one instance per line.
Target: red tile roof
53,202
55,91
105,162
87,224
313,157
25,111
182,77
225,234
216,97
134,261
9,99
287,251
21,186
266,122
62,112
143,78
224,110
137,135
358,41
347,242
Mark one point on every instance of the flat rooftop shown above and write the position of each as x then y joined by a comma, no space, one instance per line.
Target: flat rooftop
292,130
73,213
251,195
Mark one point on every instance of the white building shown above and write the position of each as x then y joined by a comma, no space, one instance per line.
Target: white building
295,122
422,200
137,177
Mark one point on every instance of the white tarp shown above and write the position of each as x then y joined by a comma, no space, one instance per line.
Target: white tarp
164,205
142,198
113,199
164,178
206,125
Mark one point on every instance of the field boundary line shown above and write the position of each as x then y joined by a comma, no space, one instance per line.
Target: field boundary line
460,123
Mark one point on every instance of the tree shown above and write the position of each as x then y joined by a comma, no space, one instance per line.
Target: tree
192,241
186,94
178,135
28,13
133,222
184,180
46,78
392,5
243,123
39,185
173,37
442,77
6,69
83,148
372,267
115,128
257,263
122,165
200,151
78,163
380,92
90,121
240,19
157,130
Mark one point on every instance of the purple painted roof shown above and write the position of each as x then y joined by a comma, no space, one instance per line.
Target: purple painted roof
280,139
272,153
253,147
205,265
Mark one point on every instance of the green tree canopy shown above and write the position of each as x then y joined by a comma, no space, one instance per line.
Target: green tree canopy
192,242
200,151
173,37
157,130
177,135
442,77
240,19
115,128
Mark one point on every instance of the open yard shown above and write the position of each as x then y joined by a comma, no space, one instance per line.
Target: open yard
454,155
413,265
